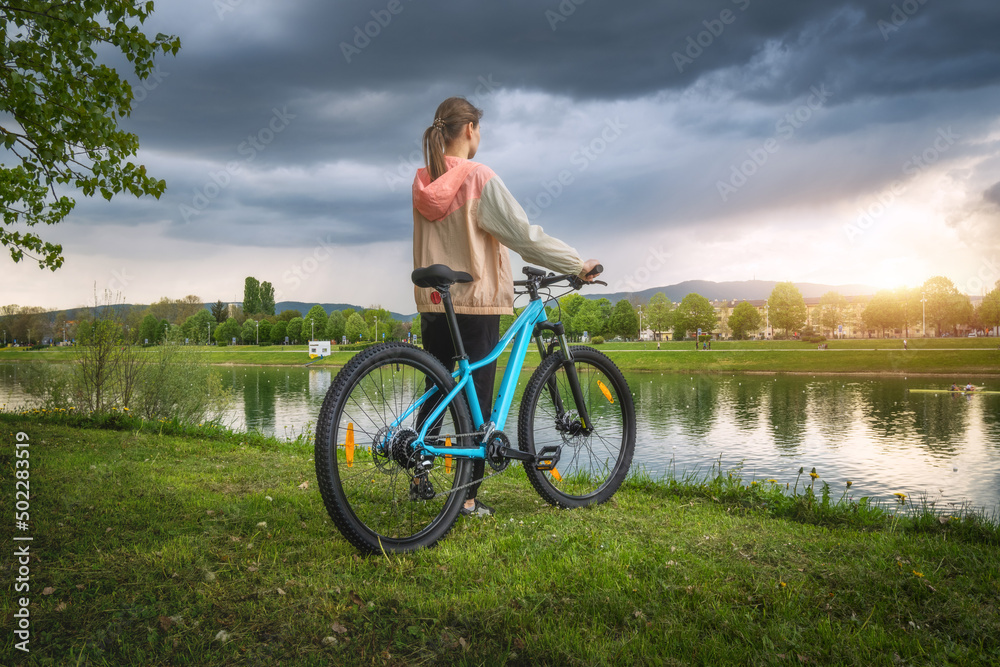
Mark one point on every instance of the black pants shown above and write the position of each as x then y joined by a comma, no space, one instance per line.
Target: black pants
480,334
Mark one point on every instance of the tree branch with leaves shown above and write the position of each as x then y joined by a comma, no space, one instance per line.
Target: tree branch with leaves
60,108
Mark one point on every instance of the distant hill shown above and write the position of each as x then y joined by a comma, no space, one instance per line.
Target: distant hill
749,290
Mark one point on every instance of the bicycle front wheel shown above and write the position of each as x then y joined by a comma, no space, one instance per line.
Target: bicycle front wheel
592,466
380,491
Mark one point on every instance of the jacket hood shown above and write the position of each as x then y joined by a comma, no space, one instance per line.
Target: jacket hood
434,200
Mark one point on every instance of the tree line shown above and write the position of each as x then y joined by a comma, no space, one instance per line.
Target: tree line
937,302
189,320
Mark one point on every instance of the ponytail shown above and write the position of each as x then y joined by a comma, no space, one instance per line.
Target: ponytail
451,116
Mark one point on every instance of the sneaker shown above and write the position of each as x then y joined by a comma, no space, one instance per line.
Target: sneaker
479,510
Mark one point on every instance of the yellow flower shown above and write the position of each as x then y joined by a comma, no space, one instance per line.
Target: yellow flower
814,475
849,482
901,496
919,574
783,584
773,481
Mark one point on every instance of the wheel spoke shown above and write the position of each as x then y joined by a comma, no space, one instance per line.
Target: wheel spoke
370,498
592,465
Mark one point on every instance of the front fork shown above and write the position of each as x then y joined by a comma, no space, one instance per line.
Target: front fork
574,381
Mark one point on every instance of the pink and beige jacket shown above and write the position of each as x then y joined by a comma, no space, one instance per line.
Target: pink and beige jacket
467,220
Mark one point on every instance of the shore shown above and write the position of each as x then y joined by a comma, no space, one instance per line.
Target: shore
216,549
951,357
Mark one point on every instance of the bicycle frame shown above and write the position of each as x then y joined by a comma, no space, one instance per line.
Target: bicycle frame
521,332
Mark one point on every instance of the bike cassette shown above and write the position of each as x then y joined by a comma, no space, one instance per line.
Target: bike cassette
496,451
401,450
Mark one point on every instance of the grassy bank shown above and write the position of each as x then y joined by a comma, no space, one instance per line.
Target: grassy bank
942,356
165,549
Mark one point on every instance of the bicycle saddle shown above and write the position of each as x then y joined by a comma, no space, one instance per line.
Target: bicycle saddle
438,276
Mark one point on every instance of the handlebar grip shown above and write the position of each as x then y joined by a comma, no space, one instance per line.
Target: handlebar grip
597,269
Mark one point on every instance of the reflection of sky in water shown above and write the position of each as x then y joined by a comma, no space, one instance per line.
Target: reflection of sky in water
869,431
942,447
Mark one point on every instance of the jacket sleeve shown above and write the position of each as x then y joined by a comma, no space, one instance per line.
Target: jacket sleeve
503,217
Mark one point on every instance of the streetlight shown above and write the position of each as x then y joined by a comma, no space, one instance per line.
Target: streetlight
923,309
209,341
640,321
257,322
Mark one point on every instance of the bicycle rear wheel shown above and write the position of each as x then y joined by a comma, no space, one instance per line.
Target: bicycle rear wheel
592,466
378,490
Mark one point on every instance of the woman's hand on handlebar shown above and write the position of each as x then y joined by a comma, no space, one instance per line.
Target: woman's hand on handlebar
591,269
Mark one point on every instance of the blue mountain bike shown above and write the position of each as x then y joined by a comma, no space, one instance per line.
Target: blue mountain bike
397,433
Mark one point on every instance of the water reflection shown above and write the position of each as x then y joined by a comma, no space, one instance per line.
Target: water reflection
745,397
870,431
788,411
941,421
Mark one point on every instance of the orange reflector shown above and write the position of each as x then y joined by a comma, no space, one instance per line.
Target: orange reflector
447,457
556,475
349,445
604,390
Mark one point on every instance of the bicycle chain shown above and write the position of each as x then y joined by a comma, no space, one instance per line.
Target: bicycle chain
465,486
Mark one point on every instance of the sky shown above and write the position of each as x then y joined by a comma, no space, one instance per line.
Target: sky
850,141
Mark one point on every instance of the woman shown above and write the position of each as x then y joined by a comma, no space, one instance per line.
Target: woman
464,217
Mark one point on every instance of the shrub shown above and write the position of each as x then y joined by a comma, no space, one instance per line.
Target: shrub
597,340
115,376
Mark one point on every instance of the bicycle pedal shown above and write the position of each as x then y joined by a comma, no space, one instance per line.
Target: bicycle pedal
548,457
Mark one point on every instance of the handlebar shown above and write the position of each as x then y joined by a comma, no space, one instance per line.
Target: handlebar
539,279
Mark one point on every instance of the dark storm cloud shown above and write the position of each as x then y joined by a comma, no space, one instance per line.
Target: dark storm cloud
266,87
773,51
285,127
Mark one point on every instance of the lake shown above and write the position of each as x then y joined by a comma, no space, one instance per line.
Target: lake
869,430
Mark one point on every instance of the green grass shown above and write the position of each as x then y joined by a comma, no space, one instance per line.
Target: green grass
147,547
941,356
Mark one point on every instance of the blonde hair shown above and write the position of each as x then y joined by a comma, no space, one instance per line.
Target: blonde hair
451,117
